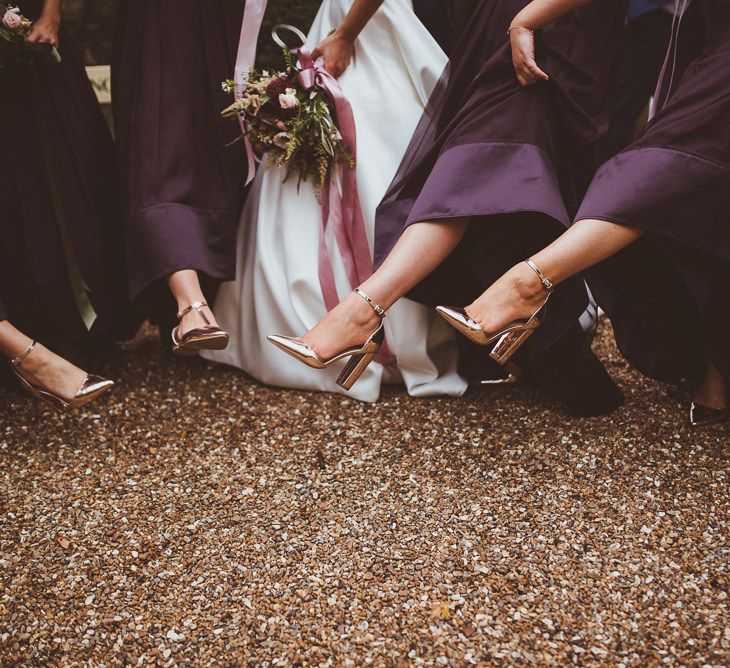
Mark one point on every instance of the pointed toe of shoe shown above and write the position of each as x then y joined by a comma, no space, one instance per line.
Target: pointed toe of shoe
297,349
278,340
93,387
451,313
459,319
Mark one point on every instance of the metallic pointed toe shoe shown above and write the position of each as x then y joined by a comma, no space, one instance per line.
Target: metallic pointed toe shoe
298,350
359,356
94,386
704,416
508,340
91,388
209,337
462,321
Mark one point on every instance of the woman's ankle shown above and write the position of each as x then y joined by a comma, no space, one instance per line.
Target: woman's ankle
526,283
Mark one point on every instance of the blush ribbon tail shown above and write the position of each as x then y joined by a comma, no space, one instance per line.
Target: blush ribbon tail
253,15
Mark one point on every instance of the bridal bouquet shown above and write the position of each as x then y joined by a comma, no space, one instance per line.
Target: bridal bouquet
13,28
291,118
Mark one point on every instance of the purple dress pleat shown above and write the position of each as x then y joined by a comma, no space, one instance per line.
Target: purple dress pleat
668,294
182,184
57,161
514,159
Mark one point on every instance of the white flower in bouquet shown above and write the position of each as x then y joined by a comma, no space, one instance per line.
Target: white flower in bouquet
288,99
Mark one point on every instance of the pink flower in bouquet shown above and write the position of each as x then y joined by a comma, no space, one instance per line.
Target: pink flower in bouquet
288,100
12,20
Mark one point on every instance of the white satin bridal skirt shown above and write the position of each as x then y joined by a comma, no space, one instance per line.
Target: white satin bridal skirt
277,291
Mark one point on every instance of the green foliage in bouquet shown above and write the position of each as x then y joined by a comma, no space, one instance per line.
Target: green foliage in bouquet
294,127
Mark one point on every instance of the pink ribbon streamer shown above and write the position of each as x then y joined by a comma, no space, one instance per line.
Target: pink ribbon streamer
341,210
253,15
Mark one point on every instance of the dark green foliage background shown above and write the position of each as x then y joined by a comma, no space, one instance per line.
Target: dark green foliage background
92,24
299,13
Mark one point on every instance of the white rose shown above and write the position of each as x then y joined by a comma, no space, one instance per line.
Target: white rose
288,100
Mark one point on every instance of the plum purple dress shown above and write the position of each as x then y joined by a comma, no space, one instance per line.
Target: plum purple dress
516,160
60,233
667,294
182,184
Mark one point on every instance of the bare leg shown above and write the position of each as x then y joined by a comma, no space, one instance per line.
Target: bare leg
42,366
518,293
421,248
713,391
185,287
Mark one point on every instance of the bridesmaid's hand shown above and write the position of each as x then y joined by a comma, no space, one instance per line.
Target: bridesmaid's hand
44,31
523,56
336,49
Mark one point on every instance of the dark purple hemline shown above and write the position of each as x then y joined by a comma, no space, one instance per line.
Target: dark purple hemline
485,179
170,237
477,180
664,192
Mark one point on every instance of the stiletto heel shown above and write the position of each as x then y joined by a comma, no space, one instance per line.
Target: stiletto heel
359,357
209,337
91,388
510,338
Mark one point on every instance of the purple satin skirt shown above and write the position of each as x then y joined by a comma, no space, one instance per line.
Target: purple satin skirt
668,294
57,160
182,184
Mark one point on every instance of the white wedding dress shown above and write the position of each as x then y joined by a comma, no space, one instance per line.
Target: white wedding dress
395,66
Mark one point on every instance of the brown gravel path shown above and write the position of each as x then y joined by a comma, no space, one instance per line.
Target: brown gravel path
195,517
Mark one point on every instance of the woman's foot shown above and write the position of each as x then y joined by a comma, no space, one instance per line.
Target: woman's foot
194,319
45,369
514,296
347,325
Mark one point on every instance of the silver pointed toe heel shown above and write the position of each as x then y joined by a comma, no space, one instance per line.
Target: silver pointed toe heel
508,340
92,387
359,356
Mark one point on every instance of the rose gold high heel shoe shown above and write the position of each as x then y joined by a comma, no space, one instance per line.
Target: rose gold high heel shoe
91,388
209,337
509,338
360,356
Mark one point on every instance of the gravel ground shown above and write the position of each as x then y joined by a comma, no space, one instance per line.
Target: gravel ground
196,517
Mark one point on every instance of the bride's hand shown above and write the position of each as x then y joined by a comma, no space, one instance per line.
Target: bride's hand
336,50
523,56
44,31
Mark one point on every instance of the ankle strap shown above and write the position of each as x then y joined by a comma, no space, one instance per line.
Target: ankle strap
17,361
197,306
546,282
376,307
